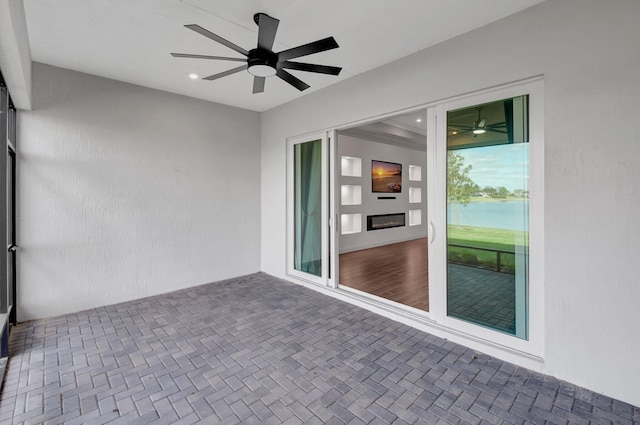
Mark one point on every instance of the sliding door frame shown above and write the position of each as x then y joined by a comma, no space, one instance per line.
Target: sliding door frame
437,200
436,319
323,279
8,164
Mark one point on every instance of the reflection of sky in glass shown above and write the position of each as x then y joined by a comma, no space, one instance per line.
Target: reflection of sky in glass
499,165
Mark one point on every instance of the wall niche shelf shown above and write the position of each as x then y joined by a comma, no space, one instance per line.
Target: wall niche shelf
351,166
415,217
351,194
415,195
415,173
350,223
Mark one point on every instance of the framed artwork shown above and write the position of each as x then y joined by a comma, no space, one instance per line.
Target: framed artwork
386,177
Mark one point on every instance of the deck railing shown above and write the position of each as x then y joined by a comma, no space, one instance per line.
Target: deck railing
499,265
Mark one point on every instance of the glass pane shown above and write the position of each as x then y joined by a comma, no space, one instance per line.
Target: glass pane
10,225
488,215
11,132
10,197
308,207
4,108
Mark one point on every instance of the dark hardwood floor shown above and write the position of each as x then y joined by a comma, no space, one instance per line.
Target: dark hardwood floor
397,272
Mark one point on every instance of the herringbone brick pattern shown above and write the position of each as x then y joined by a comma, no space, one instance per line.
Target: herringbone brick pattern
258,350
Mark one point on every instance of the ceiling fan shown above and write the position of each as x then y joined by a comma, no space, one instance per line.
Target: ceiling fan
480,126
262,61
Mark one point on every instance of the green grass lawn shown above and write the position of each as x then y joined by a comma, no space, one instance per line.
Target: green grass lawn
481,237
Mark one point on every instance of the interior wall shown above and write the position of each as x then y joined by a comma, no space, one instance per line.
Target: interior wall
125,192
587,52
367,150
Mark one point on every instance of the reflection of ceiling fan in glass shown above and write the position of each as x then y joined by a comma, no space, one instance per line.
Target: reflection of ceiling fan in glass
479,126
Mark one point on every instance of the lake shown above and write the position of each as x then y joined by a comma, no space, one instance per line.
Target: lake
510,215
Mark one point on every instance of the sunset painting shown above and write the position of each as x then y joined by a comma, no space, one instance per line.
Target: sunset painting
386,177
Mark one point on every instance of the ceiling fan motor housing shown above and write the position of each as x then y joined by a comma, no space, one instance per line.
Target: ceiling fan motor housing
260,56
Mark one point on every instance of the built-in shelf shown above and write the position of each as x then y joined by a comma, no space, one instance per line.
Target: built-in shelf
350,223
415,195
351,166
415,173
415,217
351,194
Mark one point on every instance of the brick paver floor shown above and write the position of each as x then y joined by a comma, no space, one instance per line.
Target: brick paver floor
258,350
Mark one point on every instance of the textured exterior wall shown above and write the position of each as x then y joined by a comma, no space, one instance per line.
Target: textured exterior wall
126,192
587,52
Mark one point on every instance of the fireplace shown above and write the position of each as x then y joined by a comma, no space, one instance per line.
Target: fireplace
385,221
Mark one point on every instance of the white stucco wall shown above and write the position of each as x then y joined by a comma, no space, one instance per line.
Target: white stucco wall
587,51
126,192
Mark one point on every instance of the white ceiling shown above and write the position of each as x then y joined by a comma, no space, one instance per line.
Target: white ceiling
130,40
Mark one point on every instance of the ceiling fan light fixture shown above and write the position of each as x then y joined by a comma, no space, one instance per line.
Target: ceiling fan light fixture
262,63
480,127
261,70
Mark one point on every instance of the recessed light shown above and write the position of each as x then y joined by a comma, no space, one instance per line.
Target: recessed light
193,76
419,120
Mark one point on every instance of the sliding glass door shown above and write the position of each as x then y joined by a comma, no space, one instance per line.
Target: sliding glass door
474,263
308,207
488,214
308,257
7,212
487,201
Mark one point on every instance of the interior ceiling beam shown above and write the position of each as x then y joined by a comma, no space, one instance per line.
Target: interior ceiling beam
396,131
390,135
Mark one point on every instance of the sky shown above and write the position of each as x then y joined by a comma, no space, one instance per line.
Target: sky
499,165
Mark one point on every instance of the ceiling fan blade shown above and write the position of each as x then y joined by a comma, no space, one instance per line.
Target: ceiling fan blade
310,67
308,49
225,73
258,84
294,81
215,37
267,27
222,58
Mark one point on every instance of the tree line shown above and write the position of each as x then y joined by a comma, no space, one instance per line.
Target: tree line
460,187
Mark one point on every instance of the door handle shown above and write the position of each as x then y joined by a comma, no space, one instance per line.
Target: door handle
12,248
433,231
